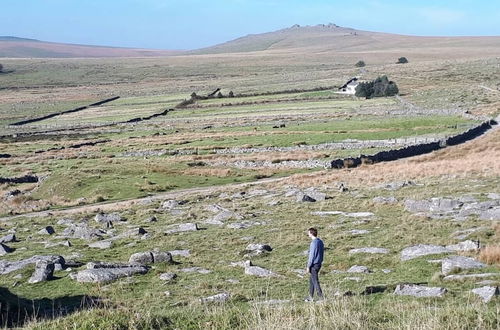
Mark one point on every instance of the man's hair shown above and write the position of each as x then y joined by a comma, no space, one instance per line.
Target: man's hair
313,231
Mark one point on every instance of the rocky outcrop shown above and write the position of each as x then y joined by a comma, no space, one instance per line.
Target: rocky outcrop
7,267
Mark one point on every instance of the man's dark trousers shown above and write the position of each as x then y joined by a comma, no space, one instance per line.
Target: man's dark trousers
314,281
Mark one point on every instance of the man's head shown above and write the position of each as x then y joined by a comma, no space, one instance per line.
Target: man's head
312,232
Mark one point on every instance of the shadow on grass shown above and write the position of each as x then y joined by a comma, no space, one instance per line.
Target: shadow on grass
15,310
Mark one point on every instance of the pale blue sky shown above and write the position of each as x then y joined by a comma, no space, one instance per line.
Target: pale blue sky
190,24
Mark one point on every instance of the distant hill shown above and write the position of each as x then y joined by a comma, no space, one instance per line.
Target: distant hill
30,48
333,38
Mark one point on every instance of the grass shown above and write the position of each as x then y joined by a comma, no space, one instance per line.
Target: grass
215,247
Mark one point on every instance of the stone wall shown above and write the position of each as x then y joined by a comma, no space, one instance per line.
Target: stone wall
414,150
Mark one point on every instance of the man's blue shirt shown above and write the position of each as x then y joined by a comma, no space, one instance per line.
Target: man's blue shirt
315,252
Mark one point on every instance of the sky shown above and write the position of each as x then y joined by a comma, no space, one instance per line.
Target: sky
192,24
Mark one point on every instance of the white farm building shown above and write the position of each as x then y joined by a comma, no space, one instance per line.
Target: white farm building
349,87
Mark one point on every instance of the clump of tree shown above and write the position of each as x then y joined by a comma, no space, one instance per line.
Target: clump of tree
360,64
379,87
402,60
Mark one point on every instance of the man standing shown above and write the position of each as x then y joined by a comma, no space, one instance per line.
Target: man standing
314,263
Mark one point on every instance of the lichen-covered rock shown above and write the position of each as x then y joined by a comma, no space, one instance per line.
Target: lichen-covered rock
419,291
44,271
182,227
107,244
7,267
105,218
106,275
141,258
422,250
486,293
369,250
168,277
359,269
459,263
218,298
49,230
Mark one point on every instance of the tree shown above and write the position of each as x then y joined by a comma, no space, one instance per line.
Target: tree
1,67
360,64
231,94
379,87
402,60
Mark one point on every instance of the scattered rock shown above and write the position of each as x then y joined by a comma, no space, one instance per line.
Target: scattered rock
170,204
419,291
182,227
486,293
196,270
44,271
65,222
458,263
141,258
64,243
182,253
385,200
493,196
359,269
465,246
82,231
359,214
107,244
358,232
257,249
316,195
373,289
106,275
168,277
397,185
257,271
152,219
4,249
105,218
491,214
420,250
218,298
371,250
49,230
7,267
150,257
301,197
338,293
8,238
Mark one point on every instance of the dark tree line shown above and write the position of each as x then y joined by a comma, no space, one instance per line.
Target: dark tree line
379,87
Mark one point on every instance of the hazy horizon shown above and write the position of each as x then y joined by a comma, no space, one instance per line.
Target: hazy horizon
192,24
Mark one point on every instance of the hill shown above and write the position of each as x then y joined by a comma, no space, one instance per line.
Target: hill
14,47
331,37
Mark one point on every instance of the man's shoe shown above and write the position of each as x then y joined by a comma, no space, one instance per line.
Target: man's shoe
308,299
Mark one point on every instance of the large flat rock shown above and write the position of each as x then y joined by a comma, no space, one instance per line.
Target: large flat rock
106,275
420,250
419,291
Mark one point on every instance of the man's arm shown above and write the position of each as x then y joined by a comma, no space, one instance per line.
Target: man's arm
313,250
